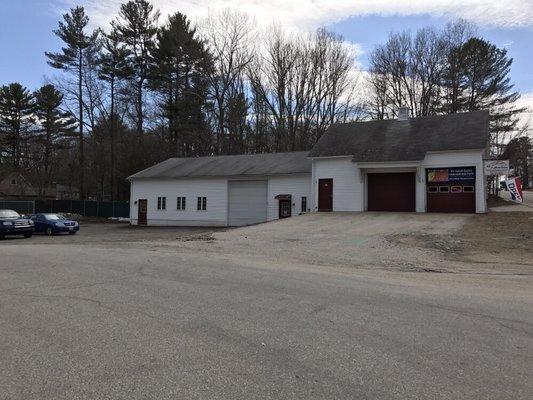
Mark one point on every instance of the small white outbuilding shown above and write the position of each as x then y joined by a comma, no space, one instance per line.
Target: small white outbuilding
231,190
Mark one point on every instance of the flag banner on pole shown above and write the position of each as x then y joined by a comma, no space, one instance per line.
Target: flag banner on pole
515,188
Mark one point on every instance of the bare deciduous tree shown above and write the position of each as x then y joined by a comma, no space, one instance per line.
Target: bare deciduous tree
229,36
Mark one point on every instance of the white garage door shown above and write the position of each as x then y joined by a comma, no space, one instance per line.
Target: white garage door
247,202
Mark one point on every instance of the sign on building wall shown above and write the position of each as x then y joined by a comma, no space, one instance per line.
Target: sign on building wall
496,167
463,175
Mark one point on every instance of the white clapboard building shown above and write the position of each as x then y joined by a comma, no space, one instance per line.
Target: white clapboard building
428,164
222,190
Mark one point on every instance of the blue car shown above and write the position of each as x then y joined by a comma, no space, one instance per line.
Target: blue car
51,224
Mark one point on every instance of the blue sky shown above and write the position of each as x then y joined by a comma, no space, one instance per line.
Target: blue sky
26,26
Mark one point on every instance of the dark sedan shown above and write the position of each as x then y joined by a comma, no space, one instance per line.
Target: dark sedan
11,223
51,224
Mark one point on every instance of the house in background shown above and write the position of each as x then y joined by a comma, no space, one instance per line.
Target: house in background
14,185
64,192
432,164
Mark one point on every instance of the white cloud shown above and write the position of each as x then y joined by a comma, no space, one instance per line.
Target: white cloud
309,14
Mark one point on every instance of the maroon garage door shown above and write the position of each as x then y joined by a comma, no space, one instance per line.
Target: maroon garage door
451,190
391,192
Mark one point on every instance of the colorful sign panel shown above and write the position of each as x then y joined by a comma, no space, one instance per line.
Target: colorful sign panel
459,175
437,175
514,185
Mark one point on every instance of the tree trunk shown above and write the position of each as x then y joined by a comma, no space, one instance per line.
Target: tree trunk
112,138
80,104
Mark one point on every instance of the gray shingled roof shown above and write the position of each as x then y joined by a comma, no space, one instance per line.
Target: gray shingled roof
247,164
410,140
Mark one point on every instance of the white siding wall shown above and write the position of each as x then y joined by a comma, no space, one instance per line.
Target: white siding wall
216,191
296,185
453,159
348,194
349,181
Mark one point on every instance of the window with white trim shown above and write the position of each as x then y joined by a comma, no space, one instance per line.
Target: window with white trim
161,203
181,203
201,204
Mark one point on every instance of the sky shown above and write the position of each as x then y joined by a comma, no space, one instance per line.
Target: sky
26,26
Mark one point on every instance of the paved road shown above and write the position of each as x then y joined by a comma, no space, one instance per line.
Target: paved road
156,322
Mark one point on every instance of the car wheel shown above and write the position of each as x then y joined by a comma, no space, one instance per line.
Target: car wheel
2,236
49,231
28,235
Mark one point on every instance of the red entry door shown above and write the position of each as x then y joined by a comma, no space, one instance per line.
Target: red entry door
142,211
325,195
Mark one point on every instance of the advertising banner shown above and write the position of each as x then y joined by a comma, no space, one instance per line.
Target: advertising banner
514,185
458,175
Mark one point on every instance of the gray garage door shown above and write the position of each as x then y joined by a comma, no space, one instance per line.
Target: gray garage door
247,202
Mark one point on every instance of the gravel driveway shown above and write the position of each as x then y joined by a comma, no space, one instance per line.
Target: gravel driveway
338,306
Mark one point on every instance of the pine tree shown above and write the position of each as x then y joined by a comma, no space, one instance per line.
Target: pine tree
113,67
16,121
180,62
482,82
72,31
57,127
136,27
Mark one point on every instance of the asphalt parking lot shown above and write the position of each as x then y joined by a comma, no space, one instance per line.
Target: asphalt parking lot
343,306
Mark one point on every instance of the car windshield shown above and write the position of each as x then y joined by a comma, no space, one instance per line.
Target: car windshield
53,217
9,214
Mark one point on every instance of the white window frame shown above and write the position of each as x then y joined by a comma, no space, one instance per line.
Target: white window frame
161,203
181,203
201,203
303,209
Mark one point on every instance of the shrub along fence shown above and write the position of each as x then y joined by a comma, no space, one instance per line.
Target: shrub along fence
106,209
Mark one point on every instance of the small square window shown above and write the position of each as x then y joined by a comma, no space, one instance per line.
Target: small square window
181,203
433,189
201,204
13,181
444,189
468,189
304,204
161,203
456,189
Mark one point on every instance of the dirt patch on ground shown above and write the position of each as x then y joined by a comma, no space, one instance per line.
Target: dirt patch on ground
496,232
443,243
495,243
203,237
497,201
500,243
